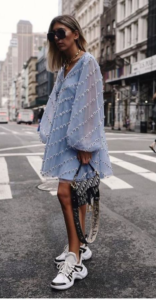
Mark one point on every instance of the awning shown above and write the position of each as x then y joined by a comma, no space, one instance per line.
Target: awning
38,102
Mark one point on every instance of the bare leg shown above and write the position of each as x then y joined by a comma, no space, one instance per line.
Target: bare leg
152,146
82,215
64,195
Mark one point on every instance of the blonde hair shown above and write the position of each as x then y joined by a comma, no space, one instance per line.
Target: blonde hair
55,58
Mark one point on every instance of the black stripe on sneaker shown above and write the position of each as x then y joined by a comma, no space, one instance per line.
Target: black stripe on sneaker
57,284
79,268
58,261
83,250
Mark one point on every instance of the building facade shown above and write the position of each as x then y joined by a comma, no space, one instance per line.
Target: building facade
9,67
67,7
25,39
12,101
131,47
1,64
107,60
88,13
45,82
38,41
32,71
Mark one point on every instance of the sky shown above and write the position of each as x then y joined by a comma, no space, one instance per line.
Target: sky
38,12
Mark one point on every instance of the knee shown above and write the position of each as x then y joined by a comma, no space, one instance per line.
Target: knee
64,197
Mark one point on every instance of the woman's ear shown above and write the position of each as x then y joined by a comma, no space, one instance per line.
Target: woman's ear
76,33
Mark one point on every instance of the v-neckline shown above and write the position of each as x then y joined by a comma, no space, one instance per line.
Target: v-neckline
64,77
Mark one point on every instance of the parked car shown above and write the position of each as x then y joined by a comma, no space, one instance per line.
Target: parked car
25,116
4,117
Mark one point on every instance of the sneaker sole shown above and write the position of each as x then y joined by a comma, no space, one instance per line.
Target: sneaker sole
80,276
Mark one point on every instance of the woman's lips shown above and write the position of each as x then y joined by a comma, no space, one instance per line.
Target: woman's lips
60,45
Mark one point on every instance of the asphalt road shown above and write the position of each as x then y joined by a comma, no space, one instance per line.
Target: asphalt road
32,230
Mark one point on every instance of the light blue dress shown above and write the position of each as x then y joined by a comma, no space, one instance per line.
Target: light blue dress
74,120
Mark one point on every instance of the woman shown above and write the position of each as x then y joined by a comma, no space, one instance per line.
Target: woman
72,128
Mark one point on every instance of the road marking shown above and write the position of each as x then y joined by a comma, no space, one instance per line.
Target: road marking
12,131
115,183
134,168
4,177
5,191
53,193
129,151
21,154
36,162
29,132
121,138
143,156
22,147
2,132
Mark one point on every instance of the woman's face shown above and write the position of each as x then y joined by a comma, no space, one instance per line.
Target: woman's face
70,37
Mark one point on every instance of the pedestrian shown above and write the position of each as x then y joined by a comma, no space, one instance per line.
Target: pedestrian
152,146
72,129
127,123
40,114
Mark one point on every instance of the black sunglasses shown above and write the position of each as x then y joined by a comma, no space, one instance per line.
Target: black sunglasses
60,33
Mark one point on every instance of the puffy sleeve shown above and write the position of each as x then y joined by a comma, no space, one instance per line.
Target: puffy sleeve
47,117
86,127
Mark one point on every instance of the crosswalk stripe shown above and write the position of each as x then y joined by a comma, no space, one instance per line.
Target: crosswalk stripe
4,177
134,168
21,154
115,183
5,191
36,162
2,133
143,156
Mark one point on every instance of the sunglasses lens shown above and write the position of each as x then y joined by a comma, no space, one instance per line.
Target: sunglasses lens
60,34
50,36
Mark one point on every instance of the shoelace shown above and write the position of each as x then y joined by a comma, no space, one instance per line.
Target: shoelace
65,268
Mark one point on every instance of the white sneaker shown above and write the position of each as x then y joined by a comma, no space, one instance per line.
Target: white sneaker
86,253
69,271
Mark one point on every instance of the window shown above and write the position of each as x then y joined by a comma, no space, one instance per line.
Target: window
113,24
145,26
130,7
113,48
129,33
107,51
108,28
134,57
122,10
122,45
102,31
102,52
135,32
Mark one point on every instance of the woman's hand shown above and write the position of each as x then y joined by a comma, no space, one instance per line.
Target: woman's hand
84,157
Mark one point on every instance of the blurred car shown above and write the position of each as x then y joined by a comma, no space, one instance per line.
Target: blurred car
4,117
25,116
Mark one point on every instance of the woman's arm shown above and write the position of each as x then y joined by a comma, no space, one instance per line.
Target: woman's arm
86,127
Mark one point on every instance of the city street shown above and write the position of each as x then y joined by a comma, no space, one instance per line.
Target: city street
32,230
